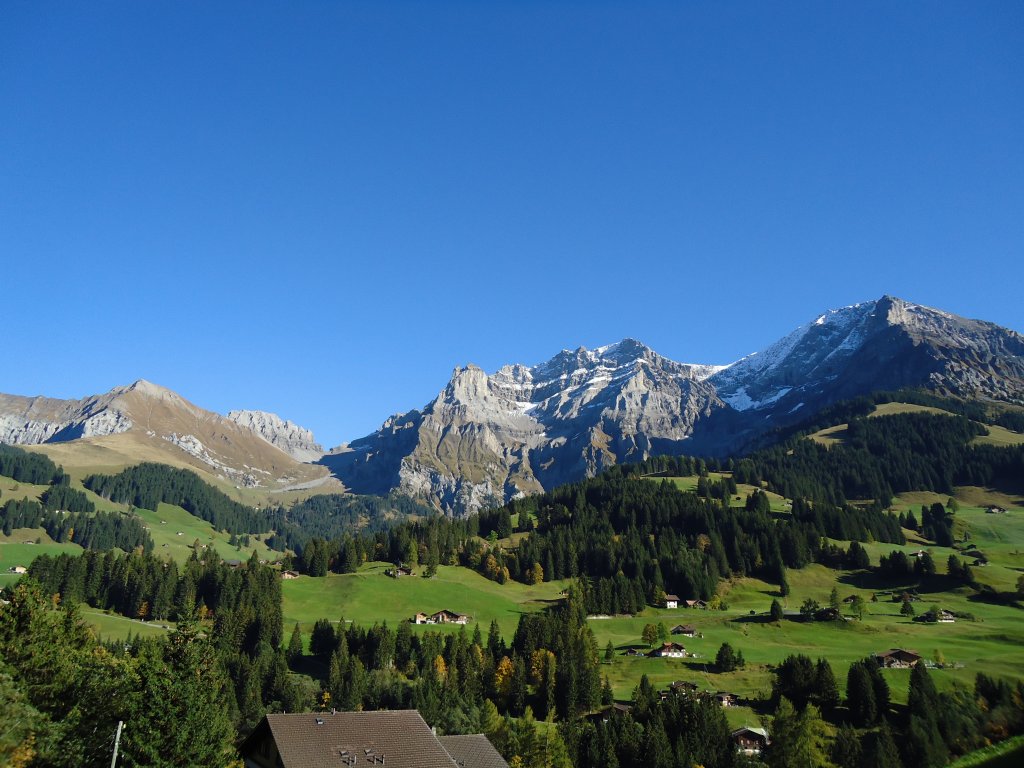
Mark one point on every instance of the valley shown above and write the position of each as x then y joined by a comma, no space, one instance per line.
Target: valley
557,508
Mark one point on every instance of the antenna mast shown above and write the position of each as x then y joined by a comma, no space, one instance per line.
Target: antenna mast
117,743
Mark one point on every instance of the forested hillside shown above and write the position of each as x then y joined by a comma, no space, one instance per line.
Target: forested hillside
621,541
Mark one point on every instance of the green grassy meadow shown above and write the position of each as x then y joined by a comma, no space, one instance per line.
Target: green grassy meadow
20,548
369,596
739,499
1000,436
993,643
168,521
1005,754
111,626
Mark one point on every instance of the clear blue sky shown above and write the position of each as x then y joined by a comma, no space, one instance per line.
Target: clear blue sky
321,208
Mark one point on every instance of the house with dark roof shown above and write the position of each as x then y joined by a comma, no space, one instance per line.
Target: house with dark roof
695,603
750,741
474,751
897,658
671,601
448,617
388,739
686,630
669,650
726,699
441,617
828,613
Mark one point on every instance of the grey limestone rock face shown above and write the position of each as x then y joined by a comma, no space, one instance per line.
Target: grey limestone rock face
294,440
36,420
143,416
487,438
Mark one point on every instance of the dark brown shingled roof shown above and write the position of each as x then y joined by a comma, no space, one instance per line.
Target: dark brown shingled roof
387,739
472,751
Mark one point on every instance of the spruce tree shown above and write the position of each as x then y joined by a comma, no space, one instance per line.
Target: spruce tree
295,645
184,720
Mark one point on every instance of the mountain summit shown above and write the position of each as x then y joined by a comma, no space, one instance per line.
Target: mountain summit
487,438
146,422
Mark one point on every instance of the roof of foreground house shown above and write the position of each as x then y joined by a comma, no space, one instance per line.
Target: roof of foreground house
387,738
472,751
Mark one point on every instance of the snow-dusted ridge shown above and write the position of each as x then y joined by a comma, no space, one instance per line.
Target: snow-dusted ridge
487,438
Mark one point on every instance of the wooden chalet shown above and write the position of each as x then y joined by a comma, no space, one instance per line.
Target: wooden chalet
726,699
398,572
750,741
19,569
698,603
449,617
389,738
669,651
686,630
289,575
671,601
897,658
443,616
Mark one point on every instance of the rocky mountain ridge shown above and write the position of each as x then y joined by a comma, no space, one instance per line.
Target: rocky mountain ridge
487,438
298,442
144,421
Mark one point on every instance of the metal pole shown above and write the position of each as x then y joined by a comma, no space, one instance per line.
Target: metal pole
117,743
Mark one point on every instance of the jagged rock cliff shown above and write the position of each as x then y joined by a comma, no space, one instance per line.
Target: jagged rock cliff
294,440
485,439
488,438
144,421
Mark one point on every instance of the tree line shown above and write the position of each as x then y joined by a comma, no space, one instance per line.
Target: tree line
85,527
872,733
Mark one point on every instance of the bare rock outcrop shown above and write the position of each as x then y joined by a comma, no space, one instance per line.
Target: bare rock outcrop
294,440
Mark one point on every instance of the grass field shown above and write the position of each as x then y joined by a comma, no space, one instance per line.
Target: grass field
12,489
993,644
112,453
164,524
997,435
111,626
689,483
369,596
168,521
1005,754
20,548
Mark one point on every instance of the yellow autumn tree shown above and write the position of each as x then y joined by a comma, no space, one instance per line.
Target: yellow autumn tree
440,668
503,676
536,574
538,664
